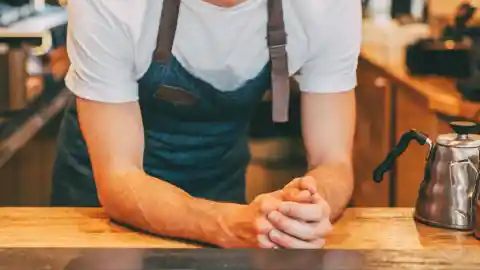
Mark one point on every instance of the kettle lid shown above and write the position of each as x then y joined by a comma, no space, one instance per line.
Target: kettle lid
465,135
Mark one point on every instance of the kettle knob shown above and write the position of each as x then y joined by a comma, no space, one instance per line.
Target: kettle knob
464,127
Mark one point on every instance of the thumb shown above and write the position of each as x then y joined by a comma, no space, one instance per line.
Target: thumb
304,183
269,203
308,183
296,195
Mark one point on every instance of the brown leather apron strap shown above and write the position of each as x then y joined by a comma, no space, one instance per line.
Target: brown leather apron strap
277,44
167,29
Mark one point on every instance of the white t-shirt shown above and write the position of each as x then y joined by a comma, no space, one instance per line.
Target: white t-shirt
110,44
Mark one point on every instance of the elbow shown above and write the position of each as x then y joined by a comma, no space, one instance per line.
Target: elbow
108,187
115,194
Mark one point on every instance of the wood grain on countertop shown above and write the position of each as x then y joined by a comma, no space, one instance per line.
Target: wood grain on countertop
71,227
393,229
359,229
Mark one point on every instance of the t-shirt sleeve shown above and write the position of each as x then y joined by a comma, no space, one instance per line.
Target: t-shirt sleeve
101,52
334,48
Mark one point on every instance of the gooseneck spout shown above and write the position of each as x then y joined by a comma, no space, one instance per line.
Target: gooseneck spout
402,145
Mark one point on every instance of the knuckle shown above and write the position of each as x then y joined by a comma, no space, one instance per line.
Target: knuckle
283,223
260,226
288,194
309,212
263,242
264,204
282,240
287,209
310,237
310,234
322,229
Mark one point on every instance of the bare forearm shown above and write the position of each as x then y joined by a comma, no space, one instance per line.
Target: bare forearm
335,185
158,207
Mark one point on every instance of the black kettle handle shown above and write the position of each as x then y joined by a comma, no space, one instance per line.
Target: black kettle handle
402,145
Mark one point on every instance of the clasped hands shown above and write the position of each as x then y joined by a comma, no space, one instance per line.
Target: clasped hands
296,217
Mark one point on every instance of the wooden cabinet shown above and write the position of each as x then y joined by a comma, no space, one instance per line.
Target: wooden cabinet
385,111
372,135
25,180
412,112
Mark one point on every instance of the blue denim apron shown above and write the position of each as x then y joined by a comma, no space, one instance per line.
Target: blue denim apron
196,136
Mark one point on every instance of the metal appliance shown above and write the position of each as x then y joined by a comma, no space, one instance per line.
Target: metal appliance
476,231
450,55
448,191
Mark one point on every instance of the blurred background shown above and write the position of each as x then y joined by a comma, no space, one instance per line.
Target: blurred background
417,69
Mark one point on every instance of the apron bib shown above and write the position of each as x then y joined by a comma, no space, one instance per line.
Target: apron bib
196,137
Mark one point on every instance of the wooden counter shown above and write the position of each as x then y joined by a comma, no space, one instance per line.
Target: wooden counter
360,229
373,238
441,93
390,102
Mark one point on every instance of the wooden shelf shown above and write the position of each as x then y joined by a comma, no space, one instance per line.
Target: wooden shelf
35,26
27,129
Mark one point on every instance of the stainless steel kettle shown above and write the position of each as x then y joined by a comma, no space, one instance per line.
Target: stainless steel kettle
448,191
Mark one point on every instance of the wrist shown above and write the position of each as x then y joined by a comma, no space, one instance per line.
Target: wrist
217,223
334,182
230,222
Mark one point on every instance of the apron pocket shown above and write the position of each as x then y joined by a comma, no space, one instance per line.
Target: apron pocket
176,96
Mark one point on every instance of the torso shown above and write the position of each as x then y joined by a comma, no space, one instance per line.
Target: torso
200,147
224,56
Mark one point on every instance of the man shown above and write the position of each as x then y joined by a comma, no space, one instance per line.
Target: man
164,92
